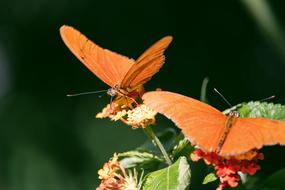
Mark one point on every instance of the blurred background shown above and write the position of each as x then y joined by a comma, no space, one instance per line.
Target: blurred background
51,142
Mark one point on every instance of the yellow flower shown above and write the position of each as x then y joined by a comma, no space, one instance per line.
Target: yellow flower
106,112
119,115
114,177
141,116
109,168
129,112
129,109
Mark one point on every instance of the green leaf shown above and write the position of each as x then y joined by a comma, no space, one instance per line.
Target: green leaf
260,109
177,176
181,147
139,160
275,181
263,109
210,178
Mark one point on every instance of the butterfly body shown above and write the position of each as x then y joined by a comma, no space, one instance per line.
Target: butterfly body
213,131
230,121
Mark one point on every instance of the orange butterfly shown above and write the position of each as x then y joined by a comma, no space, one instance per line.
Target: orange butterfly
122,74
213,131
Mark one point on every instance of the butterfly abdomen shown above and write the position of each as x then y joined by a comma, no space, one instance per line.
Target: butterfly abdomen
231,120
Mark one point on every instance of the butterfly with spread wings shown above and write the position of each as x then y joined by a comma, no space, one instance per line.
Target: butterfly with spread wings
213,131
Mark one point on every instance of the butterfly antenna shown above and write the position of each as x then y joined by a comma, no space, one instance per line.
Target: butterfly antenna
223,97
268,98
86,93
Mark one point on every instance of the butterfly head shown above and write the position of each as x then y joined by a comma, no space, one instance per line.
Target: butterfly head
112,92
234,114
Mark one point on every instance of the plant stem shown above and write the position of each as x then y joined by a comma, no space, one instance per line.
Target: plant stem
149,132
203,95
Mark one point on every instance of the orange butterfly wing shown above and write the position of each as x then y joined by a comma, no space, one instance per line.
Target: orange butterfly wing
201,123
147,64
250,133
110,67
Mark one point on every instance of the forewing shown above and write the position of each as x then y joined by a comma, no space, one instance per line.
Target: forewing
110,67
199,122
147,64
251,133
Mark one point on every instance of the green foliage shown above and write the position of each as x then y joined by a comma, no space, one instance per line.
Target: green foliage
181,147
262,109
139,160
210,178
176,176
275,181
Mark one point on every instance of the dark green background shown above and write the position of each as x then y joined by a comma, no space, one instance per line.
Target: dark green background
51,142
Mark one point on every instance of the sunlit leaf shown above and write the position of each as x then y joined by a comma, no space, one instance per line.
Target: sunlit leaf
263,109
210,178
181,147
176,176
260,109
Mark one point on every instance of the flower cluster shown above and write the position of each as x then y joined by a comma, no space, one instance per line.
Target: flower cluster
113,176
140,116
227,168
128,110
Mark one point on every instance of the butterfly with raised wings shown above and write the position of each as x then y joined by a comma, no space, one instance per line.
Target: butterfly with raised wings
211,130
124,76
